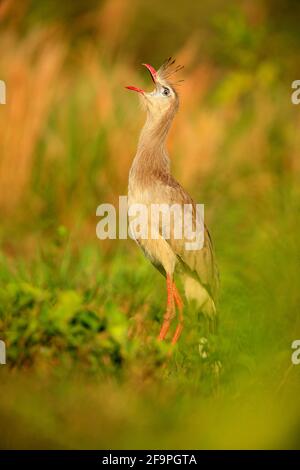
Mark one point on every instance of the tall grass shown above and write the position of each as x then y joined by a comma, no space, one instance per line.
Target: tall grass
80,317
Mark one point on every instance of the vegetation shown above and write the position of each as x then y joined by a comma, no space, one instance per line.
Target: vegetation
80,316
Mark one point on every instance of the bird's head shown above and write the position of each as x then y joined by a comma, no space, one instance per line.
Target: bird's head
164,98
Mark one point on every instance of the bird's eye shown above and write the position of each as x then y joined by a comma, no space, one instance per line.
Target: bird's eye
165,91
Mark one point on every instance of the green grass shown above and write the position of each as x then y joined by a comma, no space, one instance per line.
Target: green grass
85,368
80,317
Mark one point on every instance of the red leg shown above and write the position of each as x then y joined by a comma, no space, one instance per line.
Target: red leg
177,297
170,309
179,304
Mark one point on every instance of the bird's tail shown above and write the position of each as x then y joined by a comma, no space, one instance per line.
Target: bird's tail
195,291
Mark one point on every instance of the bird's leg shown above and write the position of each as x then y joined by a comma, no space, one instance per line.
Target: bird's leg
170,309
179,304
177,297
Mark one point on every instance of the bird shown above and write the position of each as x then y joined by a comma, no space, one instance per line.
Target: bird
151,182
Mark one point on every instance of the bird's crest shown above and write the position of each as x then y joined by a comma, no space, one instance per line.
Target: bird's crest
168,69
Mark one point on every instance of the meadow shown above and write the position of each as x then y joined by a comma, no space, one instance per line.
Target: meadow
80,316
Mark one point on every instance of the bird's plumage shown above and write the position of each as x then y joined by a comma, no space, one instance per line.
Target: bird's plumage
151,182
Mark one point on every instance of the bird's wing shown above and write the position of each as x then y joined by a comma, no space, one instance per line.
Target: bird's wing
200,263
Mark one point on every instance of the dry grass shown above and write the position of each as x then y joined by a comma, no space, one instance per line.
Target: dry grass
68,134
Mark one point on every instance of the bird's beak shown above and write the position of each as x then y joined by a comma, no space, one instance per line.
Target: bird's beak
152,71
153,74
134,88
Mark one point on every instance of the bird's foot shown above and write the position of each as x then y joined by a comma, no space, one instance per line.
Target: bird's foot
172,299
164,329
177,333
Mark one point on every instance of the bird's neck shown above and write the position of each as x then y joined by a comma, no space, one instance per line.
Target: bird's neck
152,156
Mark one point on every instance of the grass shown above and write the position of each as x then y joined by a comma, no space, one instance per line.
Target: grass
85,368
80,317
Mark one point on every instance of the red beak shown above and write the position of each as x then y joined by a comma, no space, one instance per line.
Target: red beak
152,72
134,88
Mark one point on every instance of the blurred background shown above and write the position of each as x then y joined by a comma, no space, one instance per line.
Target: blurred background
80,316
